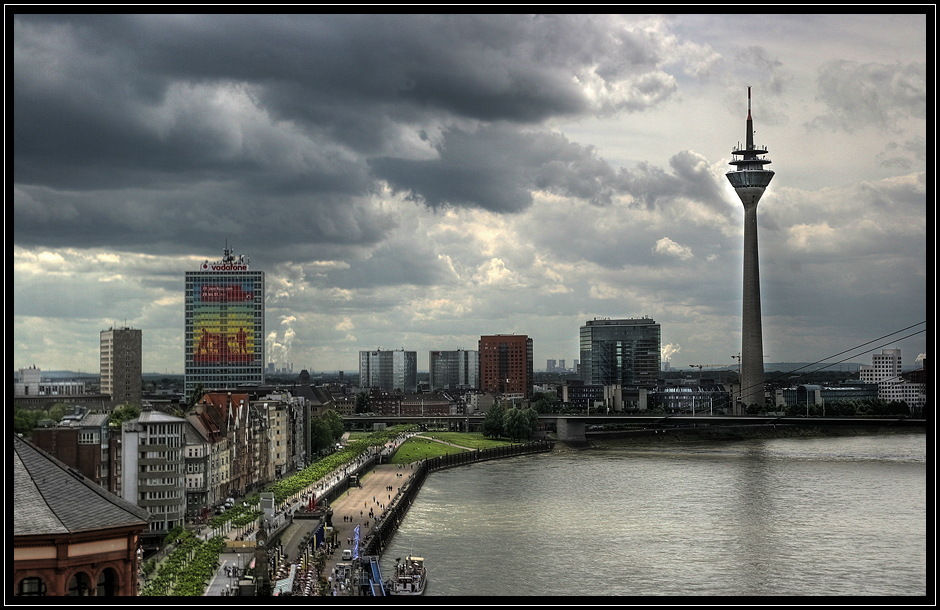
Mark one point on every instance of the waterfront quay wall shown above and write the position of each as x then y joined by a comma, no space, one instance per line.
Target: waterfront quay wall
705,431
379,538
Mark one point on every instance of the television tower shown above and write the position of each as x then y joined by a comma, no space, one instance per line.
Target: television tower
749,179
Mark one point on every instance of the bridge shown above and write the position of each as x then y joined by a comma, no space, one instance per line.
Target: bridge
572,428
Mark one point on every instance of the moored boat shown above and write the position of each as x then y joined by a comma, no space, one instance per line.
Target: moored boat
410,577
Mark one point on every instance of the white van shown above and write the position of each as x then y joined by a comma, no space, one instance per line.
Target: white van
347,554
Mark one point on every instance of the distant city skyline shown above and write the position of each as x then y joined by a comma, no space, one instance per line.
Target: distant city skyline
427,180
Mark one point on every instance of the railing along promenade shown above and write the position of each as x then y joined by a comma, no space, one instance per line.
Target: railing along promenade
380,536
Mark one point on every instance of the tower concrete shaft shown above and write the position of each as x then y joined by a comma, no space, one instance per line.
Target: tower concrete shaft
750,179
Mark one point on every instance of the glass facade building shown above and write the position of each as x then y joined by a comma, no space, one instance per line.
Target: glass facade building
620,352
458,369
224,325
389,370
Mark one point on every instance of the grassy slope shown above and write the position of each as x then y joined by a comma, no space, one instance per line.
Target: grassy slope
419,448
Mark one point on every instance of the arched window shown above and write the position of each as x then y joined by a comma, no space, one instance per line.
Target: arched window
31,585
107,583
80,585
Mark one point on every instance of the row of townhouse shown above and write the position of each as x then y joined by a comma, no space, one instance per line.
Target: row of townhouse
230,445
240,445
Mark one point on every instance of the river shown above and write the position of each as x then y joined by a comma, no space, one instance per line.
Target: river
790,516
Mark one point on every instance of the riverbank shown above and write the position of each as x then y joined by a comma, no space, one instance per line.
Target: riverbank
634,438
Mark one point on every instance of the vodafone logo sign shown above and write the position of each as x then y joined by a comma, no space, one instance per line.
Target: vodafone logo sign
223,267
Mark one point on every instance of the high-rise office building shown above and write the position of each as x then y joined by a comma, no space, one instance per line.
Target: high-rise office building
224,325
506,365
620,352
885,370
886,365
750,179
458,369
389,370
121,357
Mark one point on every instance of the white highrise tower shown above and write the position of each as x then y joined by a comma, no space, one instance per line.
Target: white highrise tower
750,179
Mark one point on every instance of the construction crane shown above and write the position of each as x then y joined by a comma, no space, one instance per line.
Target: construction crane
708,366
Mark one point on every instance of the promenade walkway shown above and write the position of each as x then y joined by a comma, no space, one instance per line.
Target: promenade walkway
352,509
372,496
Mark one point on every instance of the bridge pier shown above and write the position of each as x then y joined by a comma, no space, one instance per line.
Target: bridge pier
570,430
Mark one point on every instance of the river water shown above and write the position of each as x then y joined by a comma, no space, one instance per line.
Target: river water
795,516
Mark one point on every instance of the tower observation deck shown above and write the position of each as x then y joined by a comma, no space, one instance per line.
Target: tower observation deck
750,179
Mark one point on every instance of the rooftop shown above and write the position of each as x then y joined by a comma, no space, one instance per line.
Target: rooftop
51,498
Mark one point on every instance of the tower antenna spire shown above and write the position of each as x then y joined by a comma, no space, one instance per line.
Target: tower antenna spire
750,179
749,136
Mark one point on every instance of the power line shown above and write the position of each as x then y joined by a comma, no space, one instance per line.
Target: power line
827,358
863,351
861,345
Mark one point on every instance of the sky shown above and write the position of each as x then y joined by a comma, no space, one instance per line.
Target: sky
417,181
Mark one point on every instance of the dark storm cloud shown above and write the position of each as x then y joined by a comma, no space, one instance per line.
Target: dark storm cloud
196,219
130,129
497,169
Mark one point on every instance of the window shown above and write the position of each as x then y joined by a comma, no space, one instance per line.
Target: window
107,583
80,585
31,585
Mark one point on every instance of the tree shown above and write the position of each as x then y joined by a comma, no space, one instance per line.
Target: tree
493,421
57,411
532,418
325,430
123,413
320,435
515,424
334,422
363,402
545,401
25,420
520,424
198,391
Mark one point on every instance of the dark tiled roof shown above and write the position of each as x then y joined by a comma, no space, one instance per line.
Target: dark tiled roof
194,431
51,498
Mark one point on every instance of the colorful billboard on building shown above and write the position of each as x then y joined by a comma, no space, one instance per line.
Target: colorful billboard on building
223,323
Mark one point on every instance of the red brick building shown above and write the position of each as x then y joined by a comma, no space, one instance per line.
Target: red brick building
506,365
426,404
83,442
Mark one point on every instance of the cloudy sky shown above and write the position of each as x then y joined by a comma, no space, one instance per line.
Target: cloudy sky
418,181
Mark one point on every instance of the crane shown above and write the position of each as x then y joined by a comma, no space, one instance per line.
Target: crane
709,366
